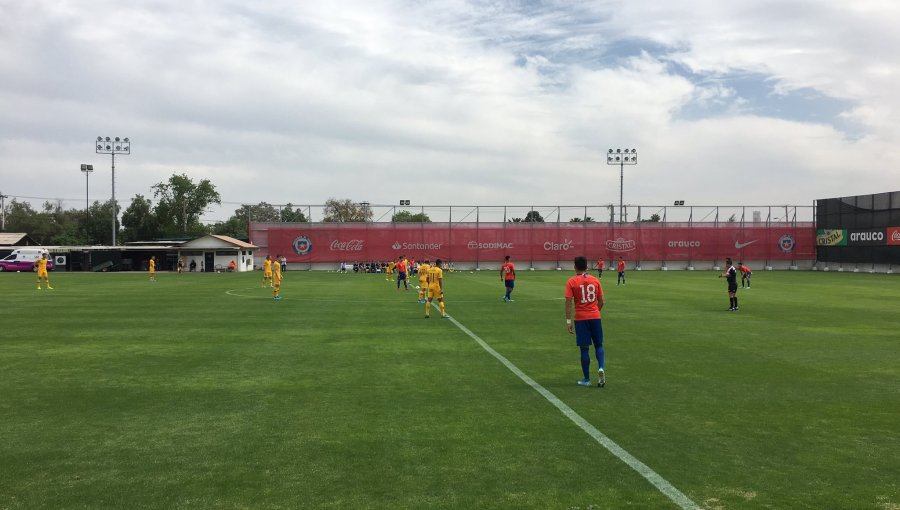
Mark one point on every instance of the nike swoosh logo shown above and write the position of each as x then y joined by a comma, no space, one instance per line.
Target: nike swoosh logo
738,245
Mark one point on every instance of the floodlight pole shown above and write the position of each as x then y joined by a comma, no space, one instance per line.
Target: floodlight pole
621,157
113,147
87,169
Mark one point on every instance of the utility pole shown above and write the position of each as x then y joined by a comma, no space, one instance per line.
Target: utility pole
3,210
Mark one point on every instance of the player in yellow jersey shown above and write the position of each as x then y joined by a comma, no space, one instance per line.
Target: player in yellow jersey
41,265
276,279
389,270
152,268
267,271
423,281
435,288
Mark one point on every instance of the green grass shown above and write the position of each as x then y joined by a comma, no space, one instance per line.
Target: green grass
200,391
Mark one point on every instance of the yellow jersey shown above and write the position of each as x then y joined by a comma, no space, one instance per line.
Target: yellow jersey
41,265
277,273
267,266
152,265
423,272
435,275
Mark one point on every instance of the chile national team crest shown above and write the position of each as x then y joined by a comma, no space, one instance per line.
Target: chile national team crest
786,243
302,245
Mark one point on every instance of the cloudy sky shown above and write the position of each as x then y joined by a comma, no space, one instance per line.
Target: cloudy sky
490,103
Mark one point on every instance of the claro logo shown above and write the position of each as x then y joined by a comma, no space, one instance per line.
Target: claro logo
566,245
684,244
475,245
351,245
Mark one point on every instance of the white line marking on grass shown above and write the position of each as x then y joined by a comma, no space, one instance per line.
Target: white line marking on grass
651,476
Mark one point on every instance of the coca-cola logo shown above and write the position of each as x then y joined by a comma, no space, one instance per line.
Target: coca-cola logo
351,245
566,245
621,244
895,236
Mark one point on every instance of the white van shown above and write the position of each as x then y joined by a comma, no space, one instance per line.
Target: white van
23,259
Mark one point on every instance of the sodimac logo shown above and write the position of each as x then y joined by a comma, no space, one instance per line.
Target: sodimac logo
475,245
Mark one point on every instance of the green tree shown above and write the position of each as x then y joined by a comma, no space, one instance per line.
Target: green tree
139,221
291,215
587,219
533,217
98,224
654,218
346,210
180,202
408,217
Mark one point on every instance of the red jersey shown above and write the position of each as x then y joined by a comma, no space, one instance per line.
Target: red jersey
744,269
401,266
508,270
600,264
621,266
585,291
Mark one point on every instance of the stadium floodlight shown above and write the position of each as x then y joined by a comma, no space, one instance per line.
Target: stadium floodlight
107,146
621,157
87,169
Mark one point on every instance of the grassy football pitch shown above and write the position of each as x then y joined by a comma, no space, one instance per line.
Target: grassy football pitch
200,391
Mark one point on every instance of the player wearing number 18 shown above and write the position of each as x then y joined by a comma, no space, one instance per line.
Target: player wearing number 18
585,295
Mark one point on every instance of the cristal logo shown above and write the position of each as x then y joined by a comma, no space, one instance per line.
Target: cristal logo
684,244
620,244
475,245
351,245
566,245
302,245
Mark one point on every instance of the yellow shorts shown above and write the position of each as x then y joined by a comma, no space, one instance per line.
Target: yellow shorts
267,274
434,291
42,274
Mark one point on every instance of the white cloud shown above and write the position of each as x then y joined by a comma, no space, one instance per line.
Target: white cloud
496,103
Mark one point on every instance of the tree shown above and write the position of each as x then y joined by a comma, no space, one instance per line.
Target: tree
180,203
587,219
408,217
290,215
515,220
654,218
533,217
139,222
346,210
98,224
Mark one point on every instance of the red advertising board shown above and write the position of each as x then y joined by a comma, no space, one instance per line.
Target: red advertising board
893,236
349,242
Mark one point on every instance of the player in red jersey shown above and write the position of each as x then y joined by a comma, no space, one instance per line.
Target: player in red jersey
600,266
508,277
621,267
585,295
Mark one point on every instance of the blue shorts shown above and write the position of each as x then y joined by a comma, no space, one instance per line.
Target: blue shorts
401,276
589,332
509,283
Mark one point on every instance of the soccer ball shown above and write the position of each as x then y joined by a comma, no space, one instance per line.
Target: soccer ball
418,288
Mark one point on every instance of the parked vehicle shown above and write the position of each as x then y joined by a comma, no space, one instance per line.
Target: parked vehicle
23,259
